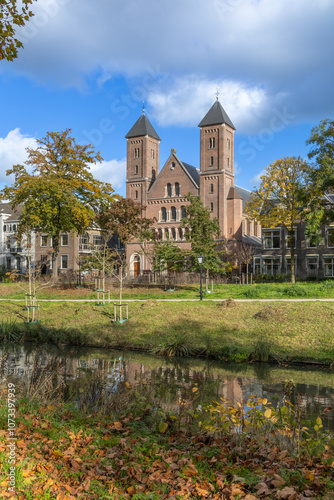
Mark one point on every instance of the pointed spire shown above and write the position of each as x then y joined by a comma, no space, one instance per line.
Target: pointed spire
216,116
141,128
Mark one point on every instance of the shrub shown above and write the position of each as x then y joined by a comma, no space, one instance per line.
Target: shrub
327,286
295,291
179,347
234,352
252,292
261,351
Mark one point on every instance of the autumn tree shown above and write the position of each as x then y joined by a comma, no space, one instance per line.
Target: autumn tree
13,14
56,190
241,253
202,232
124,219
321,179
278,200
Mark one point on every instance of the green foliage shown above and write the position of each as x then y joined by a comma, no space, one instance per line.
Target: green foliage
13,14
252,292
60,195
295,291
9,330
202,233
180,346
168,257
234,352
261,351
327,286
280,199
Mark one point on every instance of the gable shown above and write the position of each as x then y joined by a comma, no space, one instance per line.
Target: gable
175,172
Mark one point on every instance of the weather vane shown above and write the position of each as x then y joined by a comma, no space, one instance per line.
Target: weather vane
217,93
143,107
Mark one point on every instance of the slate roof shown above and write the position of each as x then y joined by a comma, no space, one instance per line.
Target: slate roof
192,171
141,128
252,240
239,192
215,116
5,208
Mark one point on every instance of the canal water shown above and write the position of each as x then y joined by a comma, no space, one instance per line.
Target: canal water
309,387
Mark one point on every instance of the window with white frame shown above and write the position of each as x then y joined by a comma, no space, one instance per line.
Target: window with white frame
177,189
288,239
183,212
330,236
64,240
97,240
312,264
163,214
173,213
64,262
257,265
44,240
180,231
271,238
212,142
271,265
173,233
329,266
169,189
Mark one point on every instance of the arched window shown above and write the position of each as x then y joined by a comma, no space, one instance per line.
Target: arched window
163,214
169,189
173,233
173,213
167,233
180,233
14,227
228,162
211,207
136,195
4,228
136,152
211,188
136,169
211,160
183,212
228,144
177,189
212,142
159,233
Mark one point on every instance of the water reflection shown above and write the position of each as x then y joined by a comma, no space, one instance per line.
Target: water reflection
313,389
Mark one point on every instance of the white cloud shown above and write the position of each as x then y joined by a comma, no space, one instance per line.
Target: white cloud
112,171
13,152
187,100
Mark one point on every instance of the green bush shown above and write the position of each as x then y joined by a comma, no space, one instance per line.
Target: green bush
252,292
233,352
261,351
327,286
295,291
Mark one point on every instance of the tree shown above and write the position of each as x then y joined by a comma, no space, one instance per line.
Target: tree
278,200
321,175
203,231
168,257
11,16
242,253
124,219
60,195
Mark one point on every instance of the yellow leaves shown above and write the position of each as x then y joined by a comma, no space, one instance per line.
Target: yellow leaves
163,426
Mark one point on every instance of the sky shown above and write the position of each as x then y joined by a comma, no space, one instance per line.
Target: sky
89,65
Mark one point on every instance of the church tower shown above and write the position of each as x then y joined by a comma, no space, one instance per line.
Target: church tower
217,162
142,159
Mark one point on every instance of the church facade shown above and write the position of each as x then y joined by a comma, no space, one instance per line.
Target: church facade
162,191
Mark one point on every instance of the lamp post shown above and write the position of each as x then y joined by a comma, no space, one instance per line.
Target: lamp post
200,261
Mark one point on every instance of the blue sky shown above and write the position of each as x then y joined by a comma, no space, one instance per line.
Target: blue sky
89,65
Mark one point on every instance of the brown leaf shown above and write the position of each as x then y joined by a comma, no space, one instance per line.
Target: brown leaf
86,484
262,489
287,493
278,481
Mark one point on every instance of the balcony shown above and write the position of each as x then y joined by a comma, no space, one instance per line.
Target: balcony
15,249
85,247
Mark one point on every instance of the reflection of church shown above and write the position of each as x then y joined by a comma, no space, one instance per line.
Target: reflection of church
163,191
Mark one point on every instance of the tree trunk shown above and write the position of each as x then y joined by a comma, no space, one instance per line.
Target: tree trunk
292,253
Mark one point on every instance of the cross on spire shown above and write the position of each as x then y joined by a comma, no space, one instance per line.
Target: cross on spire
143,107
217,93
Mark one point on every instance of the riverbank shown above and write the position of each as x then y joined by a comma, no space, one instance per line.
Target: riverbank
282,332
143,451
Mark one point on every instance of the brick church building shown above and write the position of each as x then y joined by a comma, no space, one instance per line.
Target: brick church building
163,190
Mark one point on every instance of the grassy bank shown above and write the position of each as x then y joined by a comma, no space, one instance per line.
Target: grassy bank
282,332
324,289
130,446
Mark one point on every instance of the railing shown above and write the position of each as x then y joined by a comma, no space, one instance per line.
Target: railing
84,247
15,250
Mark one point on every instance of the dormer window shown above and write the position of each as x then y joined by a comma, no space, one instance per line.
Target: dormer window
212,143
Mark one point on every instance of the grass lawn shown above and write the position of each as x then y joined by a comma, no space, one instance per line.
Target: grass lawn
285,332
324,289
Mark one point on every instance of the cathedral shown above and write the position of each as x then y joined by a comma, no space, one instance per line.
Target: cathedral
162,191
